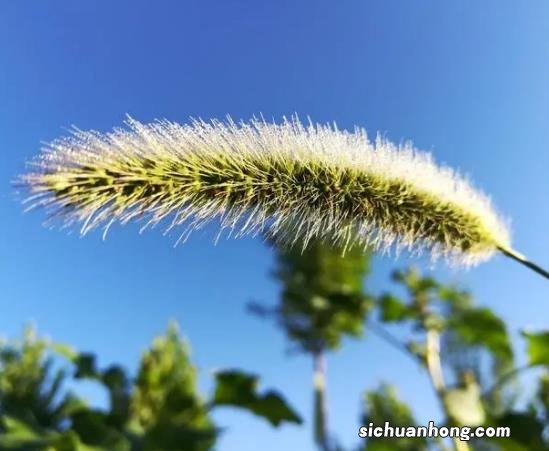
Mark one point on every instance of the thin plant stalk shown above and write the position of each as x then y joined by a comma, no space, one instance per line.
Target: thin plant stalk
518,257
434,368
431,360
320,404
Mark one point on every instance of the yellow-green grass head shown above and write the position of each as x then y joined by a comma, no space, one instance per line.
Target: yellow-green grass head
290,181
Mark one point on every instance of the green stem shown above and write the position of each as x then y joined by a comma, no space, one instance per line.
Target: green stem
517,256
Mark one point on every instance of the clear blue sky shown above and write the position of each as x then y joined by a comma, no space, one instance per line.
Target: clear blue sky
466,80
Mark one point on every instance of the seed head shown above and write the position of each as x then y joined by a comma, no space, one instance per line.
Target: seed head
290,181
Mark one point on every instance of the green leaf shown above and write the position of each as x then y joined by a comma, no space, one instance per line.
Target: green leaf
86,366
392,309
235,387
238,389
538,347
273,407
481,326
65,350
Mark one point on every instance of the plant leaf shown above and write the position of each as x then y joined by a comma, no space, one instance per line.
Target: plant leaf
393,309
538,347
481,326
238,389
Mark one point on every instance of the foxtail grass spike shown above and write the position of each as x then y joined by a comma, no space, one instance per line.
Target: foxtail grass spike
290,181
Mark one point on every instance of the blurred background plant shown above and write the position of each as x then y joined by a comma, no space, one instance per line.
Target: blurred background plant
465,350
322,300
159,409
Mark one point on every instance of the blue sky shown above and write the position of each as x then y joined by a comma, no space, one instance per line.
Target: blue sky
468,81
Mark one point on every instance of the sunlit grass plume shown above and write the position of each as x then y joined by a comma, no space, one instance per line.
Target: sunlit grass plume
290,181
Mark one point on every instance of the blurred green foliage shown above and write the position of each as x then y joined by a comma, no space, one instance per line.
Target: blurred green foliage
538,347
322,300
238,389
160,409
383,405
322,296
471,337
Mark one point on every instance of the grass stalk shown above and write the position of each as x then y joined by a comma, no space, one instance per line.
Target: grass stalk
523,260
320,404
